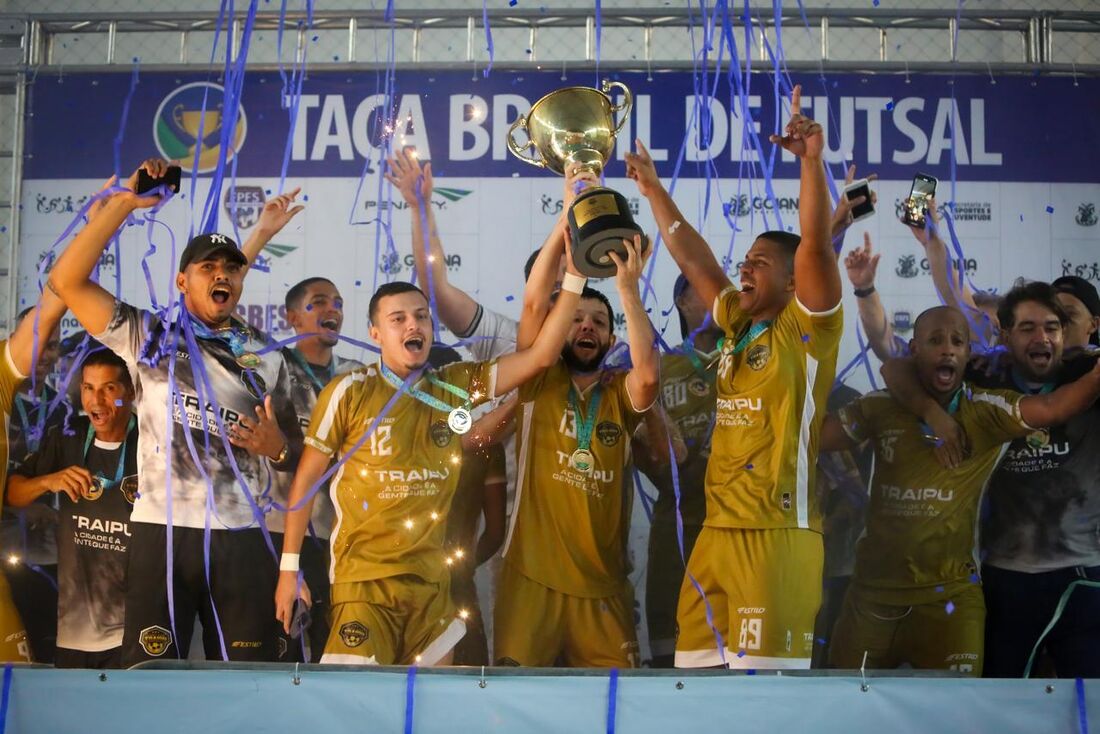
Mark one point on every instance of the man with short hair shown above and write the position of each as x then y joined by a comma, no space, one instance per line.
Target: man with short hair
395,429
758,559
1039,533
1082,305
915,596
563,592
315,310
215,408
92,470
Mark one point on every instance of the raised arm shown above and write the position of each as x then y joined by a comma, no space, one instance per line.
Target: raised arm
516,368
454,306
951,441
688,248
861,265
1052,409
544,271
493,427
643,378
952,290
311,468
816,275
842,216
275,215
70,279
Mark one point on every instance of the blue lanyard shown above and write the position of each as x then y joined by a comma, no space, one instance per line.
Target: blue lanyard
429,400
585,424
952,409
692,354
309,370
109,483
24,419
235,337
754,332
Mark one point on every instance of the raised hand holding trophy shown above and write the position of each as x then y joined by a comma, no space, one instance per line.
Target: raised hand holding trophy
575,127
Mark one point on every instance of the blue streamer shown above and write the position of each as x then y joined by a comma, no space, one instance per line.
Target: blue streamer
488,37
410,698
1082,708
613,697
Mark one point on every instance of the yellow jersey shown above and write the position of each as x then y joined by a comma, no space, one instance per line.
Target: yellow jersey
922,522
569,528
393,489
10,380
771,402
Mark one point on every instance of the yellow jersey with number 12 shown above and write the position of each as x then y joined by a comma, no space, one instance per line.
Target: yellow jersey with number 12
771,403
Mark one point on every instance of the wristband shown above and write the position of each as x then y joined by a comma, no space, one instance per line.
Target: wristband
864,292
573,283
289,562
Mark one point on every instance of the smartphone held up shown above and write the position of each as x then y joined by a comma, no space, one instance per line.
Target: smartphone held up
916,206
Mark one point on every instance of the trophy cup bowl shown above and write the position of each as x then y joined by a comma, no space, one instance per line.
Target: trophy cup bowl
575,126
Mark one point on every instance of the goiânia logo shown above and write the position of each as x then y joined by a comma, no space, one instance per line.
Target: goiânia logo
191,118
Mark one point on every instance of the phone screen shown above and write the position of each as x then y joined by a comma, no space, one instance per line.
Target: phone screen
924,188
865,209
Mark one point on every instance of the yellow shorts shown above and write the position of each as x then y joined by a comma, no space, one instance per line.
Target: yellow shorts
946,634
763,588
537,626
402,620
14,647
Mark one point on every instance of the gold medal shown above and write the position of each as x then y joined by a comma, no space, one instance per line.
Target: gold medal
459,420
95,491
582,460
1038,439
249,360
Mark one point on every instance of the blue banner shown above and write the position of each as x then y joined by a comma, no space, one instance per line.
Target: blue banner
1011,128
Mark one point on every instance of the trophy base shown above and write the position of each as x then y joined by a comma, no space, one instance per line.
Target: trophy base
599,221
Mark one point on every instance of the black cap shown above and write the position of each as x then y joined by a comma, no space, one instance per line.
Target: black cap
1084,291
206,246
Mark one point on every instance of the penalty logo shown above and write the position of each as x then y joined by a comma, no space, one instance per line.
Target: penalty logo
189,122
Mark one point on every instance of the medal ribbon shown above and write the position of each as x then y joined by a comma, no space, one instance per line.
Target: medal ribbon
756,330
1022,386
309,370
111,483
692,354
952,408
429,400
584,427
235,337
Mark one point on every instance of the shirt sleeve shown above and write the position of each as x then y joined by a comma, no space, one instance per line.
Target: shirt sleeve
727,311
10,379
126,332
998,418
632,415
328,425
490,335
821,330
855,418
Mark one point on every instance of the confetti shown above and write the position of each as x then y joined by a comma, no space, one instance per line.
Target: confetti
118,403
358,283
509,299
875,3
513,2
805,337
974,579
740,653
364,505
889,105
949,607
939,589
1050,209
748,466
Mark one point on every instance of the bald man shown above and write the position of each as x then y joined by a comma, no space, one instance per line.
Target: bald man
916,596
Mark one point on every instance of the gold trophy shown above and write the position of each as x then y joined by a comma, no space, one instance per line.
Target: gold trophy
576,126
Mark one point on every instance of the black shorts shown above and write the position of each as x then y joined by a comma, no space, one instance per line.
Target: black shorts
103,660
239,600
314,563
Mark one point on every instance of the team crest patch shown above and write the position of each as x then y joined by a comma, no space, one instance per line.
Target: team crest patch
254,383
609,433
441,433
155,640
129,488
354,634
758,356
698,387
